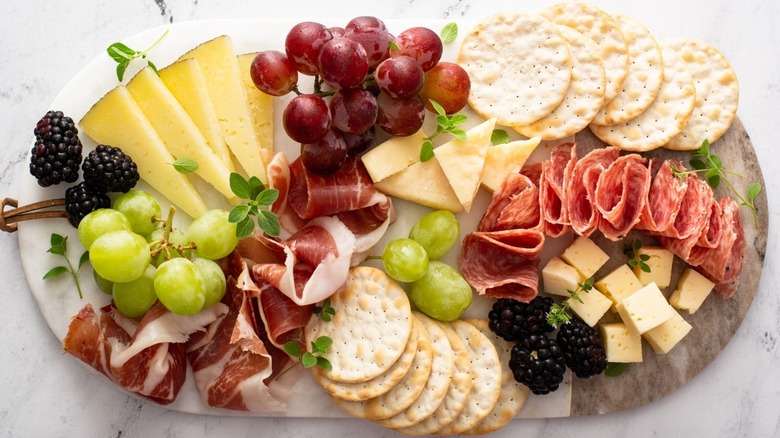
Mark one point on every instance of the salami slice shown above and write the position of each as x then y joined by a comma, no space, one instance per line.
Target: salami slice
694,211
581,188
515,205
620,196
665,196
551,189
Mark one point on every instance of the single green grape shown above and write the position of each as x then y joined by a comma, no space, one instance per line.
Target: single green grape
405,260
99,222
441,293
213,235
437,232
139,207
214,284
120,256
179,286
135,298
175,237
104,285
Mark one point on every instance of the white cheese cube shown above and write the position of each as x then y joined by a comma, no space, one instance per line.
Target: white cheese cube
619,344
559,278
692,289
645,309
618,284
664,337
660,264
593,306
585,256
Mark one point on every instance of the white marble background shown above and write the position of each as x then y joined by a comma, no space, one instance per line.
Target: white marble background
45,393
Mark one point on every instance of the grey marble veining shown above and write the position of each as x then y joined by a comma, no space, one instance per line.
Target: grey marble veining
45,393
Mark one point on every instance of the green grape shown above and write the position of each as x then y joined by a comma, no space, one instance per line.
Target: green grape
120,256
405,260
214,283
135,298
176,237
139,207
437,232
103,284
99,222
179,286
213,235
441,293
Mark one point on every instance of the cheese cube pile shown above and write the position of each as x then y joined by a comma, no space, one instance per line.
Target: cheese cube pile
645,309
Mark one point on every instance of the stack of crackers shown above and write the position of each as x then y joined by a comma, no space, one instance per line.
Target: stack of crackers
406,371
573,65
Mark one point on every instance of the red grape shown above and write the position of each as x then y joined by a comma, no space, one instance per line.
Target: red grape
400,117
400,76
353,110
273,73
372,34
303,45
449,85
343,63
306,118
326,155
357,143
421,44
336,31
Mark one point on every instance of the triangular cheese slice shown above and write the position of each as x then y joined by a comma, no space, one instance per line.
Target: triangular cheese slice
393,156
423,183
502,159
261,105
462,161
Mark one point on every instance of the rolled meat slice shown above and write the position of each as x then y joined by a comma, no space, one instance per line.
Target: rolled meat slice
555,172
581,189
620,196
694,211
515,205
665,196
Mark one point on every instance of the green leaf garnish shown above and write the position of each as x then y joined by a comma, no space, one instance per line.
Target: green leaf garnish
185,165
631,250
499,136
59,246
615,369
559,313
258,199
326,311
394,46
55,272
124,55
444,124
308,359
449,32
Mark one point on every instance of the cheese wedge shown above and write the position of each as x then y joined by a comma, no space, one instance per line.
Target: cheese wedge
185,80
261,105
117,120
423,183
393,156
462,161
503,159
181,136
219,65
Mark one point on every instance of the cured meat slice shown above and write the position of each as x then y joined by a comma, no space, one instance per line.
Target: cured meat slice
695,210
710,235
555,171
581,188
620,196
665,196
724,263
515,205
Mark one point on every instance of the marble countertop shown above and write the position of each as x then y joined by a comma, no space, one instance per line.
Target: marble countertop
46,393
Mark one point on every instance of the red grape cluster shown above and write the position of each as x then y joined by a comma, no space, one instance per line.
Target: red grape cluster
370,78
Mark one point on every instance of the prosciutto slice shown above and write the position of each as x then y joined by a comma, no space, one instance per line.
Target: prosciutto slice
620,196
555,172
581,189
664,198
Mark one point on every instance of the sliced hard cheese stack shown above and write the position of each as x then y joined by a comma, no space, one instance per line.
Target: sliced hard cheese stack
423,183
462,161
181,136
185,80
502,159
393,156
117,120
218,62
261,105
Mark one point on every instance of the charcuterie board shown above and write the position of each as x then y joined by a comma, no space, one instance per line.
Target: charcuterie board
642,383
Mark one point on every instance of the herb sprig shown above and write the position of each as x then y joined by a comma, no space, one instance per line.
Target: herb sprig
260,198
559,313
449,32
124,55
311,358
615,369
59,246
635,258
326,311
444,124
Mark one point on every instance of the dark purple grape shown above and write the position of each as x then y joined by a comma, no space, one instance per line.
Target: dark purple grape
303,45
306,118
359,143
421,44
353,110
343,63
273,73
400,117
400,76
372,34
326,155
337,31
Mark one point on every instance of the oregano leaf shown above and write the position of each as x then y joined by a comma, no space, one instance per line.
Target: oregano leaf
324,363
238,213
439,109
615,369
84,258
255,187
292,348
245,227
267,197
308,360
239,186
449,33
55,272
753,191
499,136
269,223
426,153
185,165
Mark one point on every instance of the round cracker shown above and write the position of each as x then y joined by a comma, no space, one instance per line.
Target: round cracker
457,393
666,116
583,98
717,93
519,65
604,31
644,78
370,329
513,394
485,378
378,385
438,382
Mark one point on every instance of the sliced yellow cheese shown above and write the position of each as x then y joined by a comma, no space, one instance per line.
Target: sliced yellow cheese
591,306
619,344
618,284
660,263
117,120
664,337
423,183
261,105
585,256
185,80
645,310
559,278
219,65
503,159
175,127
393,156
462,161
692,289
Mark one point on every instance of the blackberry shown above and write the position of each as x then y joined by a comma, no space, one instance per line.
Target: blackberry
56,155
514,320
82,199
537,362
108,169
582,348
